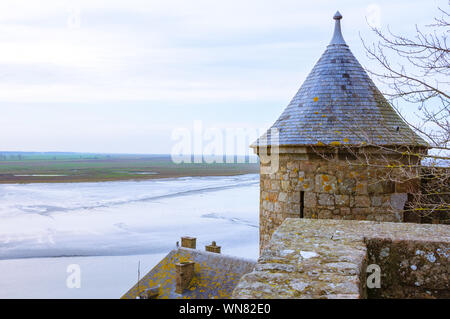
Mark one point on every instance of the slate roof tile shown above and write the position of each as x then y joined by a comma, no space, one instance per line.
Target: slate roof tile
338,95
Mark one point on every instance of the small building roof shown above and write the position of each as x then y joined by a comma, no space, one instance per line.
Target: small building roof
339,104
215,275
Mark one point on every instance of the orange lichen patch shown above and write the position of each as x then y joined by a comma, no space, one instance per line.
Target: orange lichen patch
316,112
320,143
315,99
327,188
301,179
353,174
325,178
339,180
324,115
273,197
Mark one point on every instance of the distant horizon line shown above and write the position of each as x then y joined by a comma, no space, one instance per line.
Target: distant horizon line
112,153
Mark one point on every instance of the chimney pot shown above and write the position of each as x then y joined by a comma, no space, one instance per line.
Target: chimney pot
189,242
184,272
213,248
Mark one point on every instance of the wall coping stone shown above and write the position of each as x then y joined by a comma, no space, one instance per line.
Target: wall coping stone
323,258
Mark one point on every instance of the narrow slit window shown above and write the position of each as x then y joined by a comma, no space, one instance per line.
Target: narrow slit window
302,203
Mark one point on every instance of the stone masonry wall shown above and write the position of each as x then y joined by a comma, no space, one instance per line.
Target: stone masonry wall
332,189
325,258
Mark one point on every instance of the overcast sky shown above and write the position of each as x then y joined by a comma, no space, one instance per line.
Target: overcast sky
120,76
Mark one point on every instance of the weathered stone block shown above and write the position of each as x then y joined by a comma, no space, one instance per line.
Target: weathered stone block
398,200
273,196
362,201
361,187
410,186
360,213
325,183
310,199
282,197
278,207
326,199
308,166
342,200
376,201
275,185
294,197
325,214
345,212
292,165
347,186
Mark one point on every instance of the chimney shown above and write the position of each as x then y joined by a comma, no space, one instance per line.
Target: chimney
184,272
150,293
188,242
213,248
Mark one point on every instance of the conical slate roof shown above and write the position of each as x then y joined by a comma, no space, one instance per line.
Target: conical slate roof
339,104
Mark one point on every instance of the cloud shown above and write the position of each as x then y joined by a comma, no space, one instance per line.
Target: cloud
234,60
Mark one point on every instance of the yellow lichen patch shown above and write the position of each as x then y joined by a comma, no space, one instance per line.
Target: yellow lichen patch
335,143
346,140
301,179
327,188
315,99
316,112
320,143
338,132
305,186
324,115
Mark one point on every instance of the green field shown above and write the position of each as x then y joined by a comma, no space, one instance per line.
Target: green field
30,167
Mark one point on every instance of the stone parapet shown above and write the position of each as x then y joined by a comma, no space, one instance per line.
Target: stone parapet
309,258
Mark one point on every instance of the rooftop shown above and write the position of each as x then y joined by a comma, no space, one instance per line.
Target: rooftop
339,104
215,275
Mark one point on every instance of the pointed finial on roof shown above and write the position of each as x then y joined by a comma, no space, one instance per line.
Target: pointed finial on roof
337,16
337,35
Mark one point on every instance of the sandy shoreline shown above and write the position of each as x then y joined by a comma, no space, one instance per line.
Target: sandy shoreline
11,179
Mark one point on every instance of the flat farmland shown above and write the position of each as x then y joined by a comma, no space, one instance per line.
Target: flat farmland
24,167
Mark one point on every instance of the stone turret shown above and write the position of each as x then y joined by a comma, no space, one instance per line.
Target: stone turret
338,112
